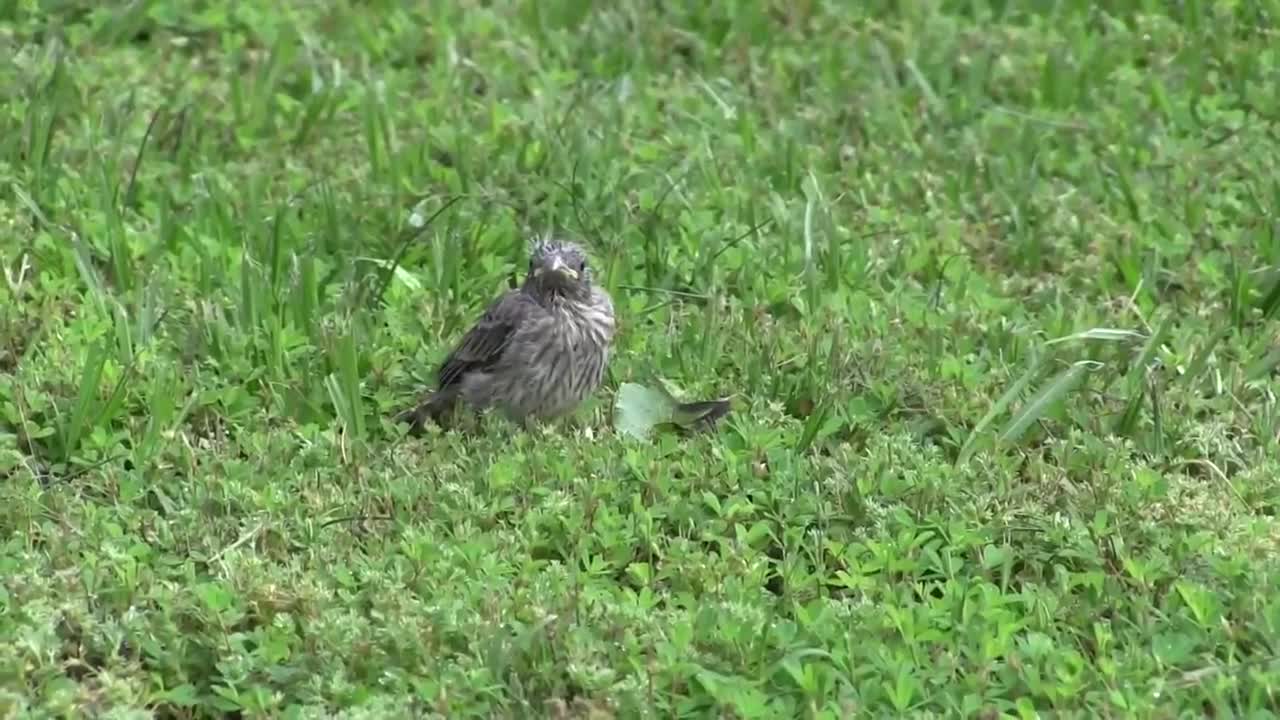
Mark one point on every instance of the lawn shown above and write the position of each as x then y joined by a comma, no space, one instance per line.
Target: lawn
993,289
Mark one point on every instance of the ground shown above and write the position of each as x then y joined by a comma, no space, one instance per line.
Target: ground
992,288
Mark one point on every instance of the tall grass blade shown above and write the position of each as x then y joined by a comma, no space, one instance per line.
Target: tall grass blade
1151,347
1264,366
1270,303
1106,334
344,385
1157,419
389,270
1039,406
86,402
1200,360
1000,405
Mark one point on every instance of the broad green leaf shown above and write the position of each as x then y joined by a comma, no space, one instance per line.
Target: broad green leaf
639,409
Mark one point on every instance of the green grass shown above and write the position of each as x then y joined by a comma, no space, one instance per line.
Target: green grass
994,287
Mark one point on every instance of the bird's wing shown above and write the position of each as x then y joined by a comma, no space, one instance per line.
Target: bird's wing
483,344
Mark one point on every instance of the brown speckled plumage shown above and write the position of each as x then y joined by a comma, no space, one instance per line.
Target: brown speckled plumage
537,352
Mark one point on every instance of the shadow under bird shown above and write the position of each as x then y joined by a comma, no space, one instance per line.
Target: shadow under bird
536,353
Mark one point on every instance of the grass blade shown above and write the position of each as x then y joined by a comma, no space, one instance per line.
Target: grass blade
1264,366
1061,386
344,385
1201,359
1157,421
86,401
999,406
1107,334
1151,347
1270,303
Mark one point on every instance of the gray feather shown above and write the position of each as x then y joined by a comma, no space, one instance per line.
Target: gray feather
484,343
537,352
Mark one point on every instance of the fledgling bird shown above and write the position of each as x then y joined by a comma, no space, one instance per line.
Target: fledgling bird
537,352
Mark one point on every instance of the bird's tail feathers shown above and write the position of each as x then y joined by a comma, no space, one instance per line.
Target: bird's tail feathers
436,407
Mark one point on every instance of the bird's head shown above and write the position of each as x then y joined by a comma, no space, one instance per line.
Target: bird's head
559,268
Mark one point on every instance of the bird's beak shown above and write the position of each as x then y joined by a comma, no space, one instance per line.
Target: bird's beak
556,265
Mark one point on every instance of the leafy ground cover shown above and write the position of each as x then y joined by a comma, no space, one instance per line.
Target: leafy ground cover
992,287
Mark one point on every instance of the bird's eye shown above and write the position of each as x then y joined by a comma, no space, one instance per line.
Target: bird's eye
582,265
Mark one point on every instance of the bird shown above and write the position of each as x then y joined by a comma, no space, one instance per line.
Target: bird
537,352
